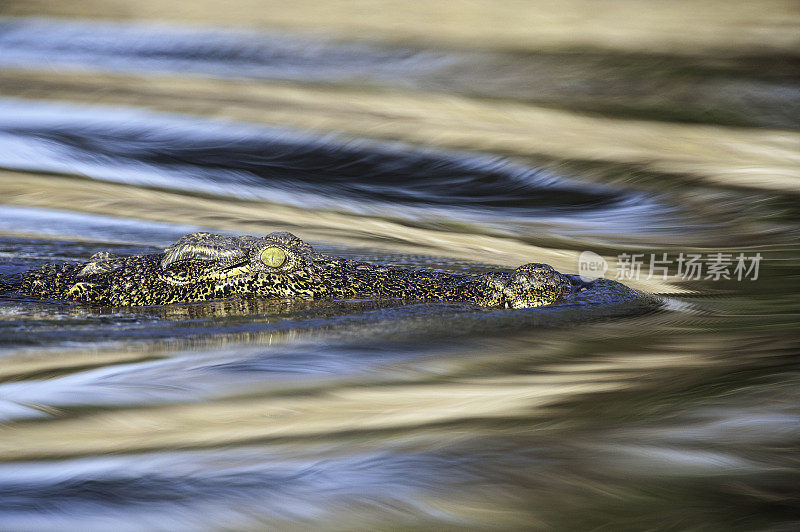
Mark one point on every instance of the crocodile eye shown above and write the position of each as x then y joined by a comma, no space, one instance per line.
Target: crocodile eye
273,257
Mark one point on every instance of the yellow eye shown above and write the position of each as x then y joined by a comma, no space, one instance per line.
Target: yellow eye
273,257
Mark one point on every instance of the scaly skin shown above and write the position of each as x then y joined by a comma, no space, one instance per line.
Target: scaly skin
204,266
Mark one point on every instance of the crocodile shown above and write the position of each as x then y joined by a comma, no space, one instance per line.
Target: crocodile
205,266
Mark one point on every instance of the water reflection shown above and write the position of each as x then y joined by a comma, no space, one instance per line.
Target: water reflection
199,374
238,488
677,412
287,167
446,433
668,86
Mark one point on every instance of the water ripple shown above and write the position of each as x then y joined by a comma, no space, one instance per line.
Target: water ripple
119,47
252,162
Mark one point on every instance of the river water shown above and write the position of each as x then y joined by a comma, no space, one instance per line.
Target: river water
246,414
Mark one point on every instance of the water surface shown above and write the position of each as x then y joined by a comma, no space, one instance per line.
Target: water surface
245,414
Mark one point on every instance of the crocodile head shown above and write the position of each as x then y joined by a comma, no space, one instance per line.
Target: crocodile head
280,265
206,266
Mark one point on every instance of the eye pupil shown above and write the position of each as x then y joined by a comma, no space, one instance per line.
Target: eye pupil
273,257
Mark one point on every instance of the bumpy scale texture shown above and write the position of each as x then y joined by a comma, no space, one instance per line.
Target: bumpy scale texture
205,266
